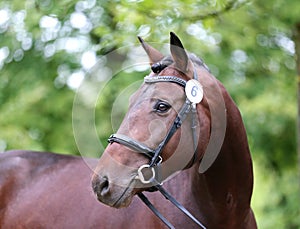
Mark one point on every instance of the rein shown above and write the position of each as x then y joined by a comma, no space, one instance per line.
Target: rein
192,89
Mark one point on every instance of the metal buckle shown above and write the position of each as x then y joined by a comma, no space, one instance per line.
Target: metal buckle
159,161
141,177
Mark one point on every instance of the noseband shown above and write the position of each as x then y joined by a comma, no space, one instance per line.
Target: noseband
192,90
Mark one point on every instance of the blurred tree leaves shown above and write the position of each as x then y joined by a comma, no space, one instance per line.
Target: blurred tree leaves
48,46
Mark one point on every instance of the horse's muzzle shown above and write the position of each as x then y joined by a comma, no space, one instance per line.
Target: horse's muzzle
111,194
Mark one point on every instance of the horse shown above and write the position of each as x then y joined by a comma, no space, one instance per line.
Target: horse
182,131
202,158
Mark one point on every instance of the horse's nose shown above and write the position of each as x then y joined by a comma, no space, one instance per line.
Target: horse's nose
100,186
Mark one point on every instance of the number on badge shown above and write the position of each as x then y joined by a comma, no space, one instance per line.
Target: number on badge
194,91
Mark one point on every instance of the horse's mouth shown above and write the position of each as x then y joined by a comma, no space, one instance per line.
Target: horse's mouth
115,200
114,195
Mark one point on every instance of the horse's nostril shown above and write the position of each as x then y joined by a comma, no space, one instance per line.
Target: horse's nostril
104,186
100,185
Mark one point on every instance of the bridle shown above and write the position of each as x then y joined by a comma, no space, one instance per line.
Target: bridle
192,87
189,106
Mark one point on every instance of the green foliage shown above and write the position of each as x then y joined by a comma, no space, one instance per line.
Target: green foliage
247,44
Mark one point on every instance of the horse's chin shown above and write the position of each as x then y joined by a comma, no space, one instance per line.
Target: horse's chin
119,199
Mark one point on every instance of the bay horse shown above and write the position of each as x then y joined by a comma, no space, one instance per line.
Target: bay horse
182,128
205,164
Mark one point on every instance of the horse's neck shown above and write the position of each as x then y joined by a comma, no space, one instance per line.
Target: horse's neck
225,189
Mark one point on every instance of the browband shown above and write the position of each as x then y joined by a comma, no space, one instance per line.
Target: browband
173,79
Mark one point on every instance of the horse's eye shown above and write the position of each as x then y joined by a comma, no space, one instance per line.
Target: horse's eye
162,107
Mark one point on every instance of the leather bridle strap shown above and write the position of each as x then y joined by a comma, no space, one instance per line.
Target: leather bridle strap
182,114
178,205
168,79
174,202
132,144
154,210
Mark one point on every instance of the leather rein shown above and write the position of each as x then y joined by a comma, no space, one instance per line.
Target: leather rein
154,155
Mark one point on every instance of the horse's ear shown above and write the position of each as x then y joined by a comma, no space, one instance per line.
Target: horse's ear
153,54
180,57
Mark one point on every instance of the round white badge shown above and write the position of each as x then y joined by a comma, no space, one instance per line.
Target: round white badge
194,91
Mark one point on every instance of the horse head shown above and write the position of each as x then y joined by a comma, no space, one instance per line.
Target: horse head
165,130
